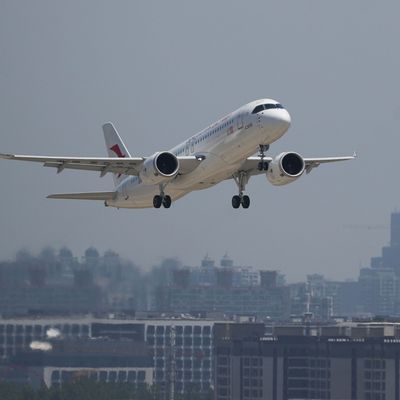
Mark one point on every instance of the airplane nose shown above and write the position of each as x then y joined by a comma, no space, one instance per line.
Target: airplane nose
285,119
279,119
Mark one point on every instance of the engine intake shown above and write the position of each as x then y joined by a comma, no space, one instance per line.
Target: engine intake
159,167
285,168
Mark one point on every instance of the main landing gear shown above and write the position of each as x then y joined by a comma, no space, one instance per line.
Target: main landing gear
241,178
162,199
159,200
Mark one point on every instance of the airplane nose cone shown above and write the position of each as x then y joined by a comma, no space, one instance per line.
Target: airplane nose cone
285,119
279,119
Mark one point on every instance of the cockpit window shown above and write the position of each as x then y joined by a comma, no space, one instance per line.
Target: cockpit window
263,107
258,109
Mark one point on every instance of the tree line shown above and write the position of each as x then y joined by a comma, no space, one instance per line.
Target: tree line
86,389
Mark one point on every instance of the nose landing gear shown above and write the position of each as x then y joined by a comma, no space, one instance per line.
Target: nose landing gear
263,165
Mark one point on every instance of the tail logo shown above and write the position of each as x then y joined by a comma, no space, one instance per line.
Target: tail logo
117,151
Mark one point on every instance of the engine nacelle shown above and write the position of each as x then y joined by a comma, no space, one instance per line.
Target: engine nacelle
159,167
285,168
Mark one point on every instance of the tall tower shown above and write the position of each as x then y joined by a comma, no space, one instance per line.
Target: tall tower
395,229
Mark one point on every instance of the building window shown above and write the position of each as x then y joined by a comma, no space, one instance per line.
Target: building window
223,360
160,330
131,376
66,376
179,330
55,375
206,375
150,330
207,330
112,376
121,376
103,376
141,376
188,330
93,376
159,375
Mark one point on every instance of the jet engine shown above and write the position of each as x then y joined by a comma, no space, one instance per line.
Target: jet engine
159,167
285,168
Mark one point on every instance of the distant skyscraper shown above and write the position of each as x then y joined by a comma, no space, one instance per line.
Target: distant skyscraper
395,229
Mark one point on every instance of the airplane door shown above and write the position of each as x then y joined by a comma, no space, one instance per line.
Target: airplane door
187,145
192,146
240,121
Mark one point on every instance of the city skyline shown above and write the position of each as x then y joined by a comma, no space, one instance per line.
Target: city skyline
164,72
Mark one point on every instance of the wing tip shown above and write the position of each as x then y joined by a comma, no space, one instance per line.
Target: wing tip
6,156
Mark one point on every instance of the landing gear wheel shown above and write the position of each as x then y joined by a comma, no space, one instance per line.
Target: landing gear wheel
167,201
157,201
245,201
236,200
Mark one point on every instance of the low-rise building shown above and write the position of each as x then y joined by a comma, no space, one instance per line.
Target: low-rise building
356,361
180,349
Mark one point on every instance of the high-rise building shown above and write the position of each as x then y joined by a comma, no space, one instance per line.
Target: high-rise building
380,284
395,229
390,257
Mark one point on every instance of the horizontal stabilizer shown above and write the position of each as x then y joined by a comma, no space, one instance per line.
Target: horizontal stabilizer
84,196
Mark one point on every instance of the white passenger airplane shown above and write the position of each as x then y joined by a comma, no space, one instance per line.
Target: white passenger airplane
221,151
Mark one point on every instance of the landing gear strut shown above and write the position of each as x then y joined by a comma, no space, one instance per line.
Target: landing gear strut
162,199
241,178
263,165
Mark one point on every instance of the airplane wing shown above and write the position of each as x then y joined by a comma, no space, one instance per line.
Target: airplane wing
84,196
312,163
104,165
251,164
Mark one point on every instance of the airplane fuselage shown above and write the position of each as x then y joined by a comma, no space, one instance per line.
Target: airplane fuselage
224,145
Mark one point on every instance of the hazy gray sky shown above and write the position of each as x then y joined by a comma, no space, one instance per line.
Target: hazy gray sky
162,71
